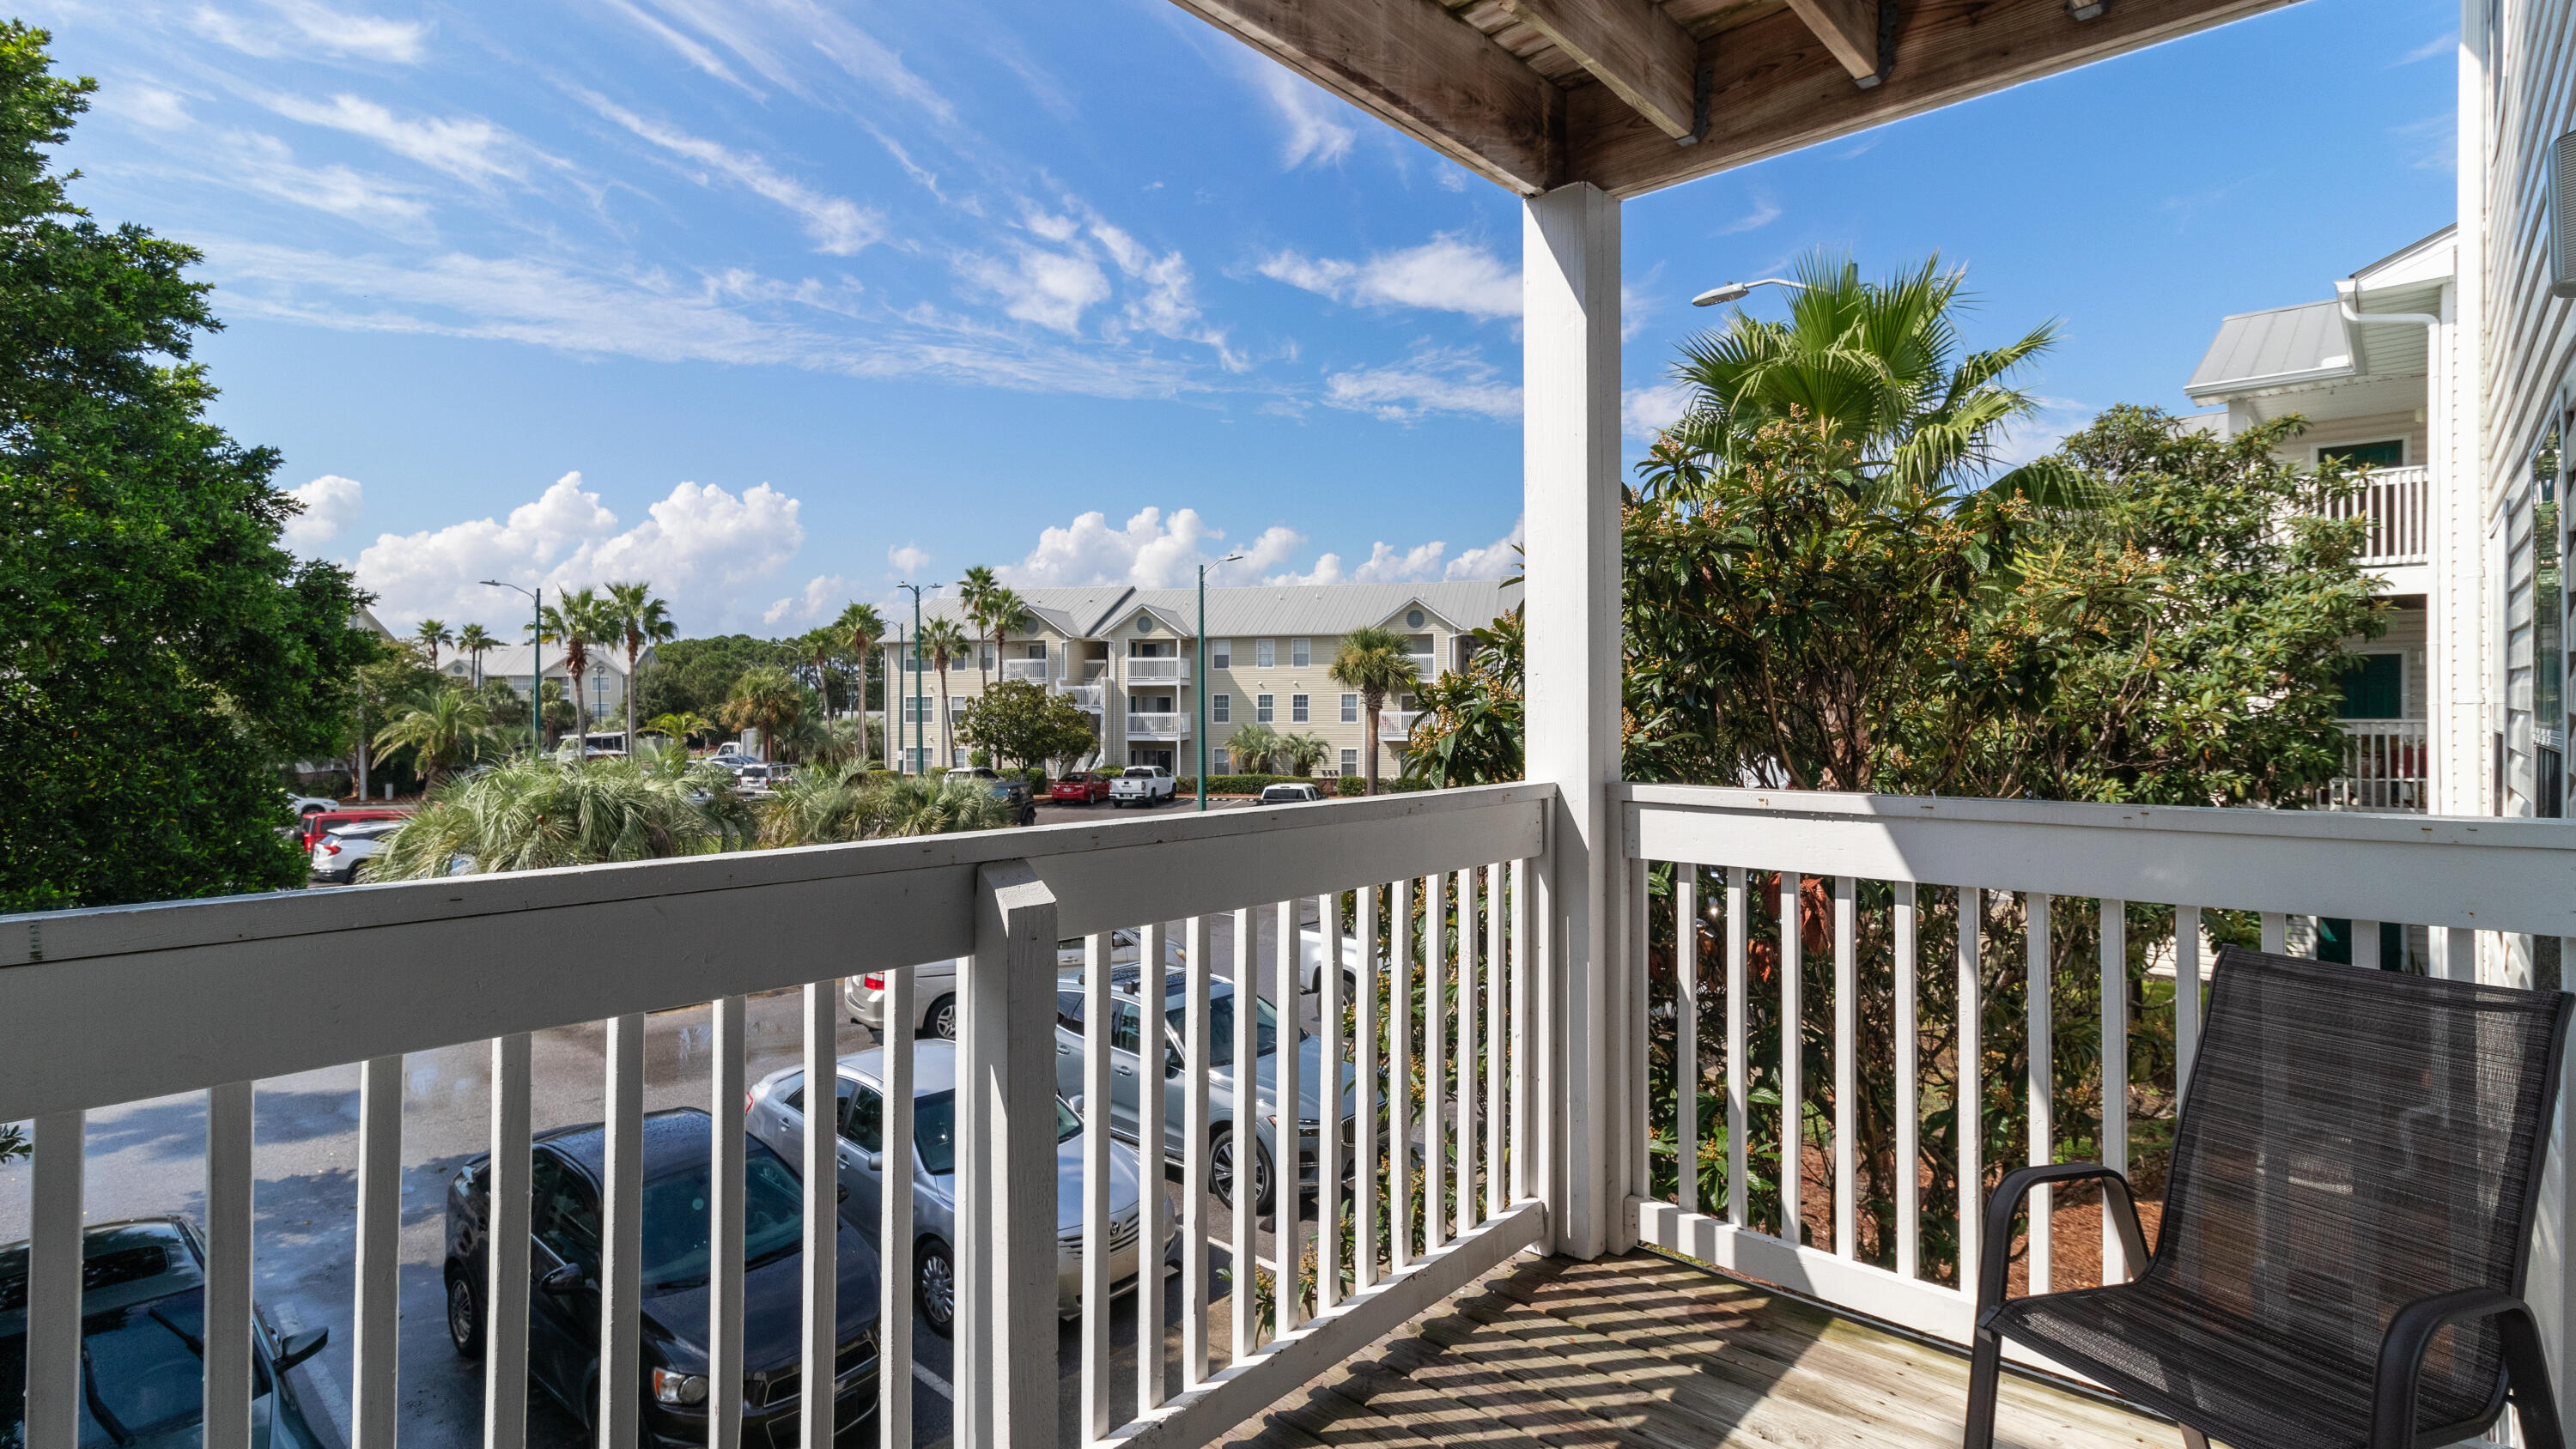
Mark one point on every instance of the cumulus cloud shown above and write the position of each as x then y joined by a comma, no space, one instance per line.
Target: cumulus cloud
1316,127
468,148
1422,563
822,596
2038,435
839,227
1444,274
699,547
330,502
908,558
1646,411
1150,552
295,27
1429,382
1051,289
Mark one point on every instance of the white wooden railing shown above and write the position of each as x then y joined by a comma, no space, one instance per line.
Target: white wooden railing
1995,874
2397,503
2387,765
1158,725
1032,671
103,1007
1091,697
1397,724
1141,670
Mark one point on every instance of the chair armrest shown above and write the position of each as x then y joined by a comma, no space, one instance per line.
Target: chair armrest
1993,1255
2410,1337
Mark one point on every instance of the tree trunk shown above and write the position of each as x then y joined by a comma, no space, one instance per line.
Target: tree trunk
1375,703
630,701
947,746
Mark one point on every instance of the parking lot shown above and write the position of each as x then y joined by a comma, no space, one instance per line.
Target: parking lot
147,1158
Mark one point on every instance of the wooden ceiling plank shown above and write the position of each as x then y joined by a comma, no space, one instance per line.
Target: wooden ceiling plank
1777,87
1632,47
1849,28
1420,69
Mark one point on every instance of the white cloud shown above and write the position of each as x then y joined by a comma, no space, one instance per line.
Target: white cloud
2039,434
908,558
1765,211
2442,44
1051,289
2431,144
1150,552
1646,411
261,163
293,26
1444,274
1318,125
148,106
330,503
1429,382
468,148
699,547
1422,563
840,227
823,594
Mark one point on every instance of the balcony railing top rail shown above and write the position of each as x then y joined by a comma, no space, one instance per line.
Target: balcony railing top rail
1157,725
1142,670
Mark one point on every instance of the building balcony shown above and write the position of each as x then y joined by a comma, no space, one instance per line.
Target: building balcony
2396,504
1091,697
1029,671
2387,766
1158,671
1395,726
1158,726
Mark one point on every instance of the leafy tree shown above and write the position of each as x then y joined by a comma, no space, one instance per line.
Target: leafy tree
432,635
560,715
641,620
1471,726
164,656
860,627
765,699
507,707
680,728
1376,662
576,620
1023,724
442,728
474,641
533,813
976,591
1299,754
943,641
1254,746
839,806
696,676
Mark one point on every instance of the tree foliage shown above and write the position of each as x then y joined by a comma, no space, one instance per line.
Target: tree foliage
1377,662
696,676
532,812
1022,724
164,656
829,807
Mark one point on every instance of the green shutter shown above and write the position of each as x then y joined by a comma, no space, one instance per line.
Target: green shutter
2377,690
2390,454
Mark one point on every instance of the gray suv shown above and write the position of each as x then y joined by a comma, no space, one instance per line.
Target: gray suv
1014,794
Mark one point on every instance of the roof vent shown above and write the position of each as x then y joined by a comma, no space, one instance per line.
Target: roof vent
2562,216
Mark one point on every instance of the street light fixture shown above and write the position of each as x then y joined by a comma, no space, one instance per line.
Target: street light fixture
1200,688
1738,291
536,665
921,741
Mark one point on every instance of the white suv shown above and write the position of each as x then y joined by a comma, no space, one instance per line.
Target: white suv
934,985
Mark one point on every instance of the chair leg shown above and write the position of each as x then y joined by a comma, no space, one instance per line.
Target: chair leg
2535,1404
1984,1367
2192,1438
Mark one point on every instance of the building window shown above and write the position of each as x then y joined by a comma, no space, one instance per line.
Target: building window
2376,690
1220,654
1220,709
1219,762
1265,653
1350,709
2389,454
1350,762
1413,618
1301,653
1261,708
1037,651
1297,709
957,759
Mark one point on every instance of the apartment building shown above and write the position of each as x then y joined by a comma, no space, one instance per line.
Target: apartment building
603,679
1130,657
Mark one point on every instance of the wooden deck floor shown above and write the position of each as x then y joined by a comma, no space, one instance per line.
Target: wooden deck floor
1645,1351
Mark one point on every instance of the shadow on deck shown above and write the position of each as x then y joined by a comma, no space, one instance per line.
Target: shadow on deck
1644,1350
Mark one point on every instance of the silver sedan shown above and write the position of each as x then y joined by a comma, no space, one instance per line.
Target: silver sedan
778,1118
934,986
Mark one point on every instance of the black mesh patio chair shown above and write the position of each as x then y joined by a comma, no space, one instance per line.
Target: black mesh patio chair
2353,1174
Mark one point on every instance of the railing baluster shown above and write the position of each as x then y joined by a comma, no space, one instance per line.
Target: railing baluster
1328,1092
1523,1039
2041,1080
621,1238
1152,995
822,1170
1194,1157
2460,954
377,1386
894,1220
2276,932
1793,1097
2115,1071
1686,1036
54,1258
1435,1069
229,1133
2365,945
725,1169
1495,966
505,1296
1464,1193
1399,1092
2186,995
1097,1417
1364,1111
1738,1173
1968,1112
1243,1143
1909,1108
1287,1132
1846,1073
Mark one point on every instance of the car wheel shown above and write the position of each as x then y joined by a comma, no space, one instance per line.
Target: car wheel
934,1284
1221,1171
464,1315
941,1019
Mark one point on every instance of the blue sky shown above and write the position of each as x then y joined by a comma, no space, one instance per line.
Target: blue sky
774,302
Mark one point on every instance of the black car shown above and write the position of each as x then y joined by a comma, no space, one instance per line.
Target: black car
563,1339
143,1323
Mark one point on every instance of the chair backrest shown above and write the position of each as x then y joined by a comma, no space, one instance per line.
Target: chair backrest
2352,1140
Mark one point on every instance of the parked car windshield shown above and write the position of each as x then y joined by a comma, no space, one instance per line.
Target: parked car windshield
934,1130
675,1219
1140,772
145,1367
1265,1027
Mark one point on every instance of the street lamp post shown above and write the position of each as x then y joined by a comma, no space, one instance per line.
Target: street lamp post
536,665
1201,688
920,741
1738,291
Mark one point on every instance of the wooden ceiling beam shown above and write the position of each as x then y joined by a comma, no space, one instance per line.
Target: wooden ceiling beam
1776,87
1849,28
1632,47
1420,69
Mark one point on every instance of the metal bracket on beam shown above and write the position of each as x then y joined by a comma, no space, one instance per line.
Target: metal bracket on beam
1703,92
1887,22
2083,9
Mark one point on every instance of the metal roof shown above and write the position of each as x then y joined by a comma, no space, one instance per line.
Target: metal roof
2286,345
1254,611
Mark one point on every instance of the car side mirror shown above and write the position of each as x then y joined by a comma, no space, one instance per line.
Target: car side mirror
1075,1103
295,1348
844,1194
561,1281
1171,1062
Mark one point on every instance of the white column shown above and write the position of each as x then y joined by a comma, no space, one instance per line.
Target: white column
1006,1325
1570,462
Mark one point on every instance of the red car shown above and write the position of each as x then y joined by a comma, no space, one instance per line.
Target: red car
1082,787
322,823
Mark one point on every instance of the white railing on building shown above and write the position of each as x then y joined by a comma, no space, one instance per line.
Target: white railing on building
1900,875
1158,725
1158,671
120,1005
1032,671
1397,724
2387,765
1092,697
2397,502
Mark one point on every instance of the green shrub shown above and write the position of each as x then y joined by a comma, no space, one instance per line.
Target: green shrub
1350,785
1243,784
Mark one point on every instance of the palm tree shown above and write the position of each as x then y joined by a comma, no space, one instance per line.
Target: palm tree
474,641
765,698
430,635
1253,745
943,641
975,592
825,807
441,728
530,813
1377,662
641,620
1299,754
679,726
1004,611
579,619
860,627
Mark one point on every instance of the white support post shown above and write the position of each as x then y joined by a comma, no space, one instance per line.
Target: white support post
1570,462
820,1264
227,1301
1006,1330
377,1390
54,1259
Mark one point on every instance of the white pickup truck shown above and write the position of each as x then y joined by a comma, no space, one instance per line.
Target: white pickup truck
1145,785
